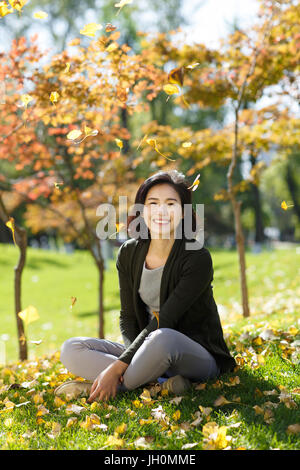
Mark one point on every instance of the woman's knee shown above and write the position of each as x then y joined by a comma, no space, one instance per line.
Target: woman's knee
162,339
68,350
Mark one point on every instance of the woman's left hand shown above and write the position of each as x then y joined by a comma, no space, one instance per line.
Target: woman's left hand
105,385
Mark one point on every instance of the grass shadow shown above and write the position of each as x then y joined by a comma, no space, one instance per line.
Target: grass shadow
36,264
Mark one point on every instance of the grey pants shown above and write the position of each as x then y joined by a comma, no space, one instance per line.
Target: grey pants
164,352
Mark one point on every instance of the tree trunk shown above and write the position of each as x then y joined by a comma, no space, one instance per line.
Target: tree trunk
20,237
259,227
240,241
100,267
236,205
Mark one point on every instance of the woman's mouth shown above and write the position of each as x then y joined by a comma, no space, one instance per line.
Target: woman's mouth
161,222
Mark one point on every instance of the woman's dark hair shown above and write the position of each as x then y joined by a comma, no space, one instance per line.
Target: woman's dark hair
178,182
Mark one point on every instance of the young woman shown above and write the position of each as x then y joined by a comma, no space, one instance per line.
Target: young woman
169,319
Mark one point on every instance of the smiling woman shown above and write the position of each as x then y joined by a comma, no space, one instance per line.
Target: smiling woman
183,340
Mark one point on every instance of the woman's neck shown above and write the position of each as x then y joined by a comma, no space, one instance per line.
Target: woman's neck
160,248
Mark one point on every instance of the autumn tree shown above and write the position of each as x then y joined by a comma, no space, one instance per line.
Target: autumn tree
246,66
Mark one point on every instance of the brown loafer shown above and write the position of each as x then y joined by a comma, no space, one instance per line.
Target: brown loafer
176,384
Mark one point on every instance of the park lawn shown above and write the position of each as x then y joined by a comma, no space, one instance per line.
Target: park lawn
50,279
254,407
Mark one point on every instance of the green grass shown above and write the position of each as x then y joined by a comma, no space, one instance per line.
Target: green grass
50,279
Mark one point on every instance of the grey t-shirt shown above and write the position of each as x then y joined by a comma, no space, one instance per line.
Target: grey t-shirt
149,289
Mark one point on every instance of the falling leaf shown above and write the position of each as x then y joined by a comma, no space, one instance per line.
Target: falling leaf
176,415
152,143
4,9
112,47
90,29
119,143
171,89
68,65
11,224
186,145
26,99
192,66
88,131
17,4
122,4
29,315
73,301
176,76
54,97
195,184
156,314
285,206
109,28
40,15
72,135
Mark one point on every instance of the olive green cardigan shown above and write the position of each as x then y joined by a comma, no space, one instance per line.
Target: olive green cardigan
186,299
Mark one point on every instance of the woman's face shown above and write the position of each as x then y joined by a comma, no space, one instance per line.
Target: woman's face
162,211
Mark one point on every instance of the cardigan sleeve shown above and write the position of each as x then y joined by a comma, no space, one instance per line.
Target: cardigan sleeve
128,322
197,274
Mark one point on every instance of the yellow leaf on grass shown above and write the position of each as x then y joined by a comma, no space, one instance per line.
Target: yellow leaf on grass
146,396
293,428
58,402
121,428
37,398
114,441
176,415
215,436
90,29
42,410
71,422
220,401
29,315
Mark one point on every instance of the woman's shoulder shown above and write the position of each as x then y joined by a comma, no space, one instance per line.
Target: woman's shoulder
127,247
